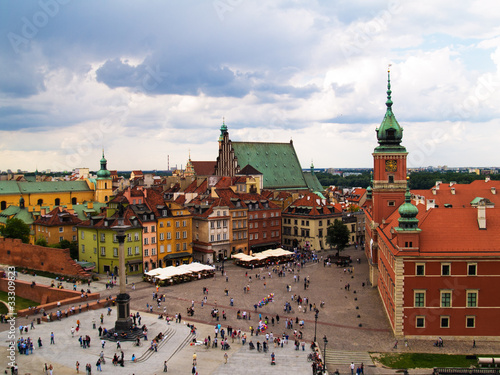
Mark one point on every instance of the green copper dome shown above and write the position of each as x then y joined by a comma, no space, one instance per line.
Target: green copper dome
408,213
223,129
389,134
103,172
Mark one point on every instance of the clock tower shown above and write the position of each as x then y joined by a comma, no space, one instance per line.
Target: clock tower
389,165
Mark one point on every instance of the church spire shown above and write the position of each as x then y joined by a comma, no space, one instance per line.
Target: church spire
388,103
103,172
223,129
389,134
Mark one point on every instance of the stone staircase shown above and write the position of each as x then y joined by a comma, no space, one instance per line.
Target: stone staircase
337,358
175,338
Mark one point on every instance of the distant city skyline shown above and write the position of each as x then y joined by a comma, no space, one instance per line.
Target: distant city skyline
144,82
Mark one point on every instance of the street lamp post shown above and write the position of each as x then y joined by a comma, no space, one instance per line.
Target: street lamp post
325,341
315,323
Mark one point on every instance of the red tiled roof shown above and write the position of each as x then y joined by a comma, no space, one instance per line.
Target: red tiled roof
317,206
57,217
204,168
453,231
463,193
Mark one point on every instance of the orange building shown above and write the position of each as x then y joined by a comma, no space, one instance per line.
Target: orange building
56,226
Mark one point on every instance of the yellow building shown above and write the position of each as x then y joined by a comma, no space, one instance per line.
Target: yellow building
49,194
45,194
175,226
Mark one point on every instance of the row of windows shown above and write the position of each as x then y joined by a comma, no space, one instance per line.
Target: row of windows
103,237
115,251
212,224
177,247
39,202
169,224
238,224
239,235
146,240
177,235
136,251
305,222
445,269
445,321
445,298
219,237
146,252
61,229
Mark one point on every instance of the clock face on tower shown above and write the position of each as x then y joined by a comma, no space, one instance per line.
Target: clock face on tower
391,165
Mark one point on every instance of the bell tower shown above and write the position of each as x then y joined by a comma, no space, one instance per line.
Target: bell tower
389,164
104,183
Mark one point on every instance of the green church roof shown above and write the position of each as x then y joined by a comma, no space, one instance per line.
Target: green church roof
18,213
14,187
277,162
313,183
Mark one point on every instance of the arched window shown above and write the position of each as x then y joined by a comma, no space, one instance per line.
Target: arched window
105,185
57,201
73,200
106,198
39,202
3,205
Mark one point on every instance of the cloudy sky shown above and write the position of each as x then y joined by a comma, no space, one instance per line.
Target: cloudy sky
152,79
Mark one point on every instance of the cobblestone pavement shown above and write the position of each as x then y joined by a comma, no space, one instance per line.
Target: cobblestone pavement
352,320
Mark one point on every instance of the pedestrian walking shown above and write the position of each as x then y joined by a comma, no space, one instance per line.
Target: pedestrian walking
352,368
225,357
165,368
52,338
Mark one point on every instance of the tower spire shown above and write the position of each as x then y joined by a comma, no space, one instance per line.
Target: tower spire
389,134
388,103
223,129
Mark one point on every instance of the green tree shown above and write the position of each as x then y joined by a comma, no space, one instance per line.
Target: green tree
41,241
16,228
72,246
337,235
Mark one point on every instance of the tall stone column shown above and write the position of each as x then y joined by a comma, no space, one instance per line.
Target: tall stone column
123,322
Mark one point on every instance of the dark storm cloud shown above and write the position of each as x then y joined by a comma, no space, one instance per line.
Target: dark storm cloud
169,77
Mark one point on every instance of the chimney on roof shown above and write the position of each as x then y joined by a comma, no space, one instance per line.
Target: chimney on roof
487,179
453,190
434,190
43,211
493,190
431,203
481,215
